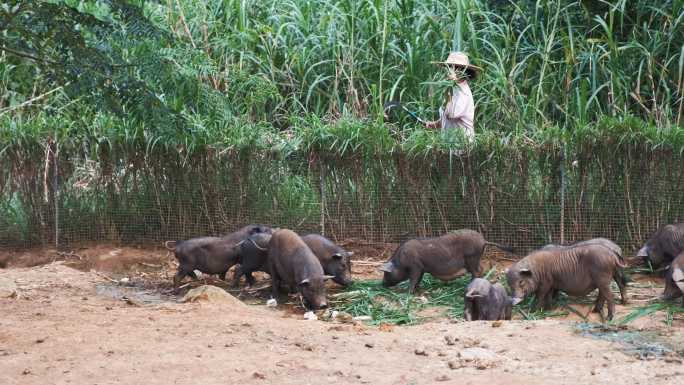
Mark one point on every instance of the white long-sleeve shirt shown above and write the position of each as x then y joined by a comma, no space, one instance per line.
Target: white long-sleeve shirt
459,111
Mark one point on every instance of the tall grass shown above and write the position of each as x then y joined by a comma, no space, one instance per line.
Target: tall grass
545,62
548,66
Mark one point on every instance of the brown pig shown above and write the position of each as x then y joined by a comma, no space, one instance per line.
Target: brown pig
664,245
444,257
210,255
335,260
253,257
292,262
674,279
487,302
576,271
619,277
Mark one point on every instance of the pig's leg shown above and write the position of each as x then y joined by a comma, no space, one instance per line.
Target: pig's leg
415,278
598,305
501,315
468,310
550,300
508,312
671,290
473,267
177,278
250,278
236,279
605,292
484,309
181,273
223,274
275,284
621,283
543,297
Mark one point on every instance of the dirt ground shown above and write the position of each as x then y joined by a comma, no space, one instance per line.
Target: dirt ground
69,320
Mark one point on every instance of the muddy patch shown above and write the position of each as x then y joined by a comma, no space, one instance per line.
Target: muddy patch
641,344
134,294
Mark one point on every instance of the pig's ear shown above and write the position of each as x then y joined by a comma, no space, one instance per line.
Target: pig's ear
328,277
337,256
387,267
305,282
525,271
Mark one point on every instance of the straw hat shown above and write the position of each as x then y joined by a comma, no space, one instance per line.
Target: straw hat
460,59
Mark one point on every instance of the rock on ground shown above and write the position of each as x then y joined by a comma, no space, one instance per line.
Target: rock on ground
211,294
7,288
477,357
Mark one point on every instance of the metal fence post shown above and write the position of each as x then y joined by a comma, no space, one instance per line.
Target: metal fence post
562,194
55,195
322,192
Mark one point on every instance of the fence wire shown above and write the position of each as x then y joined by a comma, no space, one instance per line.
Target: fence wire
512,196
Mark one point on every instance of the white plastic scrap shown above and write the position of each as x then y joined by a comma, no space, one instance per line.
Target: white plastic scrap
311,316
272,302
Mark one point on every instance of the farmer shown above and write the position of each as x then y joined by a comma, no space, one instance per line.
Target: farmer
460,108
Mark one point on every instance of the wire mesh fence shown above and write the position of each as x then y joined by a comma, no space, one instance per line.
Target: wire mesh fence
511,195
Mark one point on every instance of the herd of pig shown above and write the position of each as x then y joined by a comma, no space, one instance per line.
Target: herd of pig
304,263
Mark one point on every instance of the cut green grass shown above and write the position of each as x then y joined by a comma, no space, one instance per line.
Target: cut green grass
527,309
396,306
670,309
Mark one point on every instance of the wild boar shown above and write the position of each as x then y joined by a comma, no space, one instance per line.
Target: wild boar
576,271
292,262
594,241
487,302
210,255
664,245
674,279
620,278
253,256
334,259
444,257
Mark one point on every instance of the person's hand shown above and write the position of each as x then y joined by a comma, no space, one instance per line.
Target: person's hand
432,124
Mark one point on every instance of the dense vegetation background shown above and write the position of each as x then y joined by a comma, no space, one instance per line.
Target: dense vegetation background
128,105
223,72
